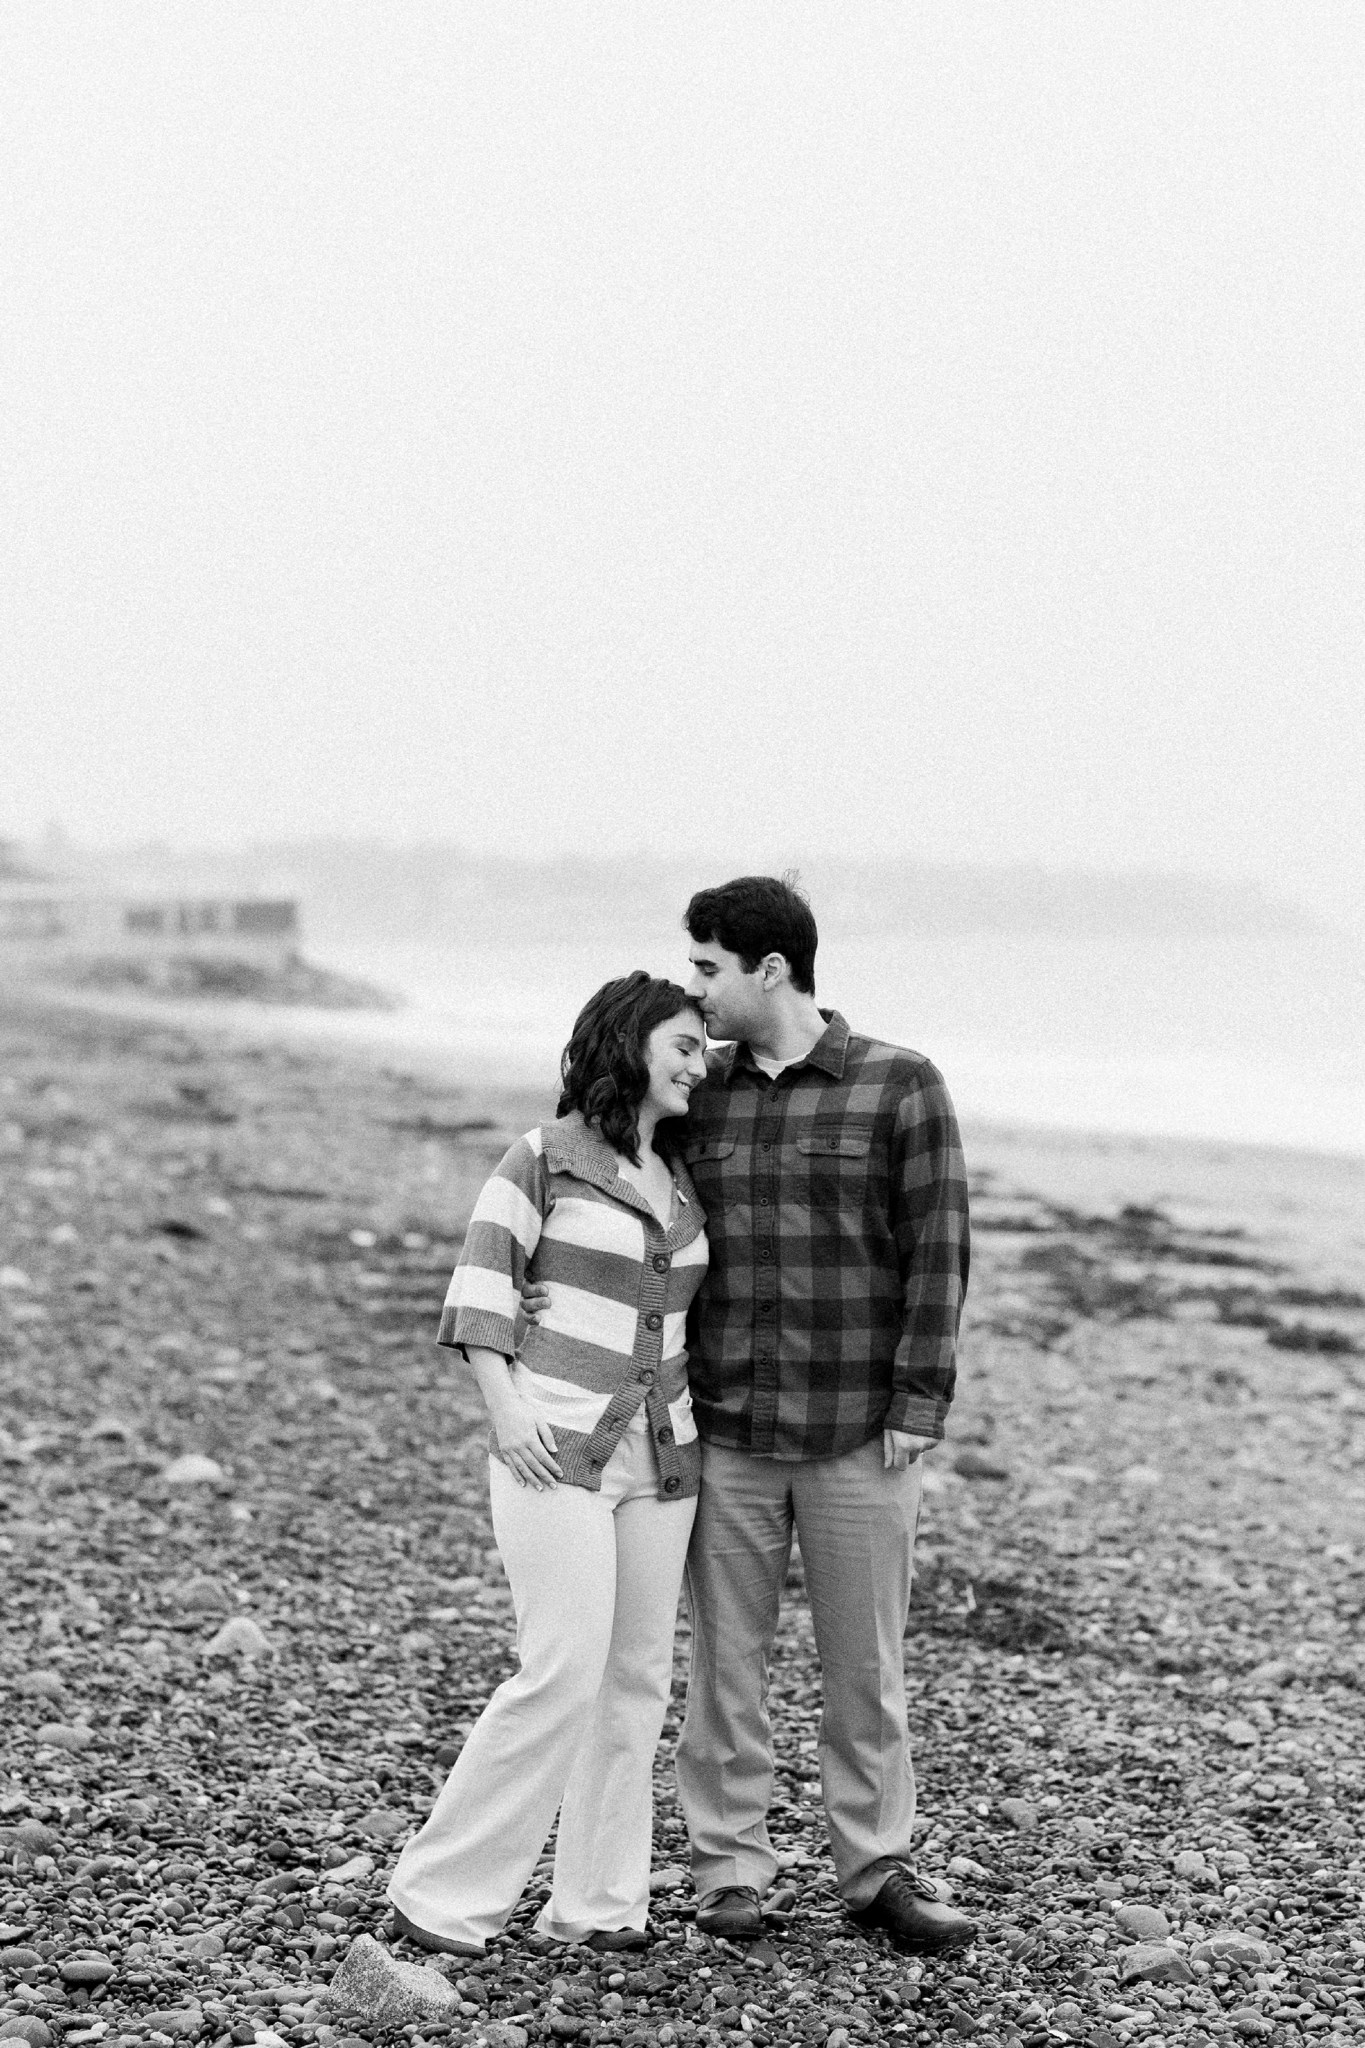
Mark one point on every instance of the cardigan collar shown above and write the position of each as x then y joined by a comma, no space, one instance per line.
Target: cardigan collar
571,1146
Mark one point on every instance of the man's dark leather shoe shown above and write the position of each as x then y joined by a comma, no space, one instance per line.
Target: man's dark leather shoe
732,1914
909,1909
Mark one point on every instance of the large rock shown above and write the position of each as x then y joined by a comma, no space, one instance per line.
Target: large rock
193,1470
1020,1813
64,1735
373,1985
1142,1923
240,1637
182,2022
87,1970
41,1685
382,1824
1152,1962
1241,1734
27,2027
1231,1947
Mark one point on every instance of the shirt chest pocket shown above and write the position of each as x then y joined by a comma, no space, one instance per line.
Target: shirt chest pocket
711,1163
835,1160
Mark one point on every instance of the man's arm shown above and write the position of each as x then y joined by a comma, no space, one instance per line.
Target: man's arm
929,1218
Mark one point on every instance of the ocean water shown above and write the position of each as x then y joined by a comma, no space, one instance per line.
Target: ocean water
1256,1040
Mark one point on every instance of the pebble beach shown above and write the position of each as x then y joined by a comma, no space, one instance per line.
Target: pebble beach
252,1602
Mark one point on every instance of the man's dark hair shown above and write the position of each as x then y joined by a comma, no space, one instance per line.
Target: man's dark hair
757,915
603,1065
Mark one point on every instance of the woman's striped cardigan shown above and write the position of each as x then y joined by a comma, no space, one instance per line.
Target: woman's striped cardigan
557,1210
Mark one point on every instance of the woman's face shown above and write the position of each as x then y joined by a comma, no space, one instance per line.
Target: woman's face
675,1055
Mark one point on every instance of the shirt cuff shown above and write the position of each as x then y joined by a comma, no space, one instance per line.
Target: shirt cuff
916,1415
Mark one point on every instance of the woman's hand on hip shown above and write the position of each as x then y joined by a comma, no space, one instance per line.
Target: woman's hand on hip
527,1443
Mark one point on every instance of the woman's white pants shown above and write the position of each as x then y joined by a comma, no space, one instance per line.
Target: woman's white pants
595,1578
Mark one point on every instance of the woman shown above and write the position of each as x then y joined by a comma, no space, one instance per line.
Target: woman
593,1473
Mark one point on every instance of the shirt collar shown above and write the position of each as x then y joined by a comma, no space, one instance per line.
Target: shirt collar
828,1052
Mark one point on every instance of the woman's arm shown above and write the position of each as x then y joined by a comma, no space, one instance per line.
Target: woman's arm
525,1438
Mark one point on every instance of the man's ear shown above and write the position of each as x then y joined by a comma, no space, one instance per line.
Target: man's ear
775,970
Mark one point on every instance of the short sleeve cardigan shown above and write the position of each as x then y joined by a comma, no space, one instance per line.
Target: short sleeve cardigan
612,1339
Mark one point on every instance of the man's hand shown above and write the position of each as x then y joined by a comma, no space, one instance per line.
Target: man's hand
535,1296
900,1448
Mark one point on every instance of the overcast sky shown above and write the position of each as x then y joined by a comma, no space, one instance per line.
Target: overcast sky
931,429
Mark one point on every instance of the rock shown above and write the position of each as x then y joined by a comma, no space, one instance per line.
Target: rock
382,1824
61,1735
107,1429
1193,1866
40,1685
1232,1947
1242,1734
27,2027
200,1596
1152,1962
19,1958
963,1866
669,1879
1068,2016
1143,1923
240,1637
973,1463
193,1470
86,1970
1020,1813
1245,2019
207,1947
498,2034
347,1873
372,1985
181,2022
37,1839
1275,1671
562,2026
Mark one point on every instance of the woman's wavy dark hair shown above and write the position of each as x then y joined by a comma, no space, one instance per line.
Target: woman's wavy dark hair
603,1066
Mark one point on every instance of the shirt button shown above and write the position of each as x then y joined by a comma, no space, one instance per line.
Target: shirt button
664,1435
765,1254
766,1145
672,1485
654,1321
660,1262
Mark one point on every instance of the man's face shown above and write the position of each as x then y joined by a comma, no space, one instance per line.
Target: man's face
730,999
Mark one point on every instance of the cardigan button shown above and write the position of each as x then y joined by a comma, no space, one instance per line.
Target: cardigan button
661,1262
664,1435
654,1321
672,1485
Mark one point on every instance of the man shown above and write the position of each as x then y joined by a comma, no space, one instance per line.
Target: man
822,1366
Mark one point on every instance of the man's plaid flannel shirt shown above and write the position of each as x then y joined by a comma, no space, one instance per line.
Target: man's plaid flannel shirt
836,1203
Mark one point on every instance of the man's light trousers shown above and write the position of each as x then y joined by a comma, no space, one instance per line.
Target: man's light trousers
855,1522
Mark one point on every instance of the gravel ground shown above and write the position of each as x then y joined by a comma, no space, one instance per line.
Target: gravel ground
252,1603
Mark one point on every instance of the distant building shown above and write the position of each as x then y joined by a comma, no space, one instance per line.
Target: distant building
41,919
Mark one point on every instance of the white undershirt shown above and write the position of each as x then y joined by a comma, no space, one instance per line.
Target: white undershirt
772,1068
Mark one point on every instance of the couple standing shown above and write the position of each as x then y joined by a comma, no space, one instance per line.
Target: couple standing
795,1204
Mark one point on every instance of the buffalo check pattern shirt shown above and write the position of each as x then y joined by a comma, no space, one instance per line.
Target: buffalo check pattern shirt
836,1203
610,1348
